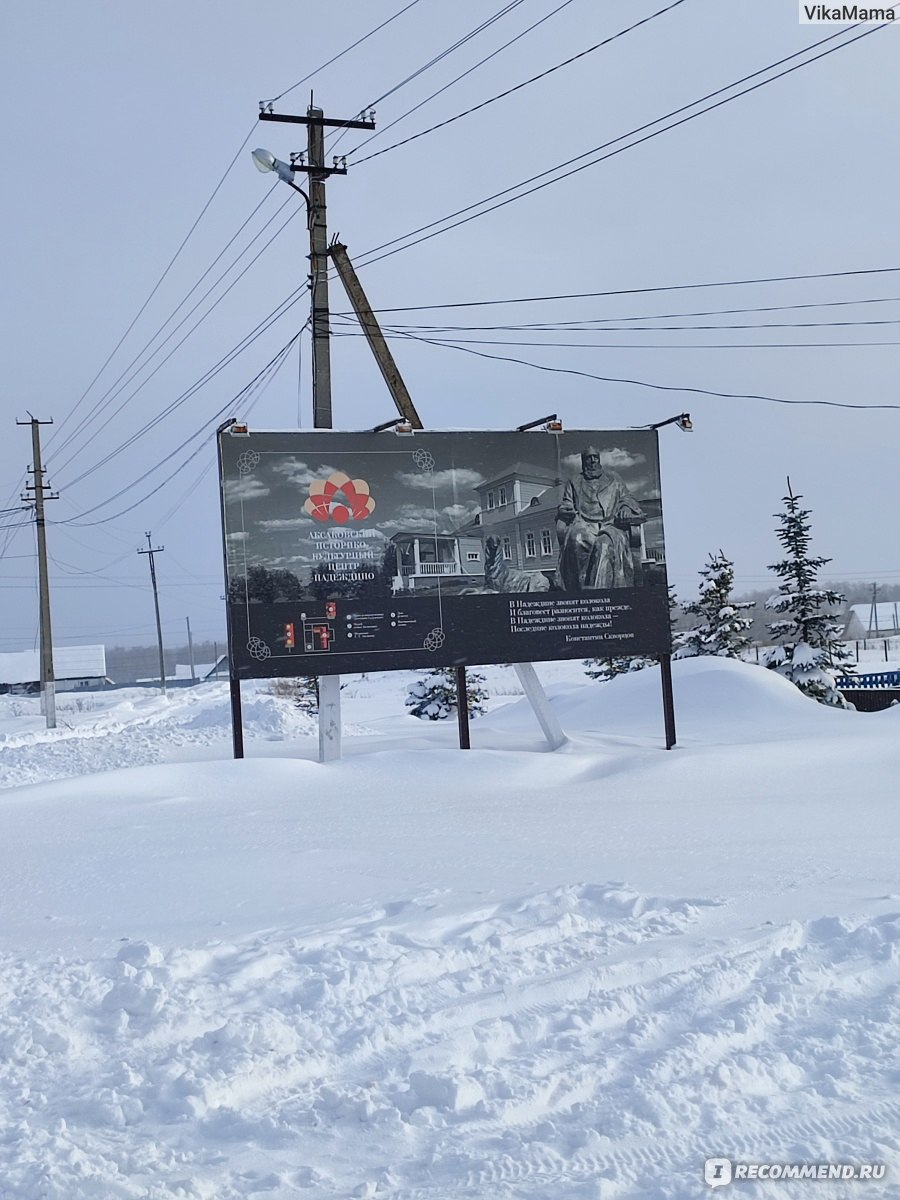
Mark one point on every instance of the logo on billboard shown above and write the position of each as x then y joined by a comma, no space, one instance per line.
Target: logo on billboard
339,498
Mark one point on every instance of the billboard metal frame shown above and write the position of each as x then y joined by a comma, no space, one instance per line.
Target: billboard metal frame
525,614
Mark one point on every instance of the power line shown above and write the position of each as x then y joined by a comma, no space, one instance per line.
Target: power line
393,334
455,80
509,91
437,58
397,248
158,283
660,387
223,362
346,50
668,287
111,391
61,466
587,323
486,24
639,329
256,384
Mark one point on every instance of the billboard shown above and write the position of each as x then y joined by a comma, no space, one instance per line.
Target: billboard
352,552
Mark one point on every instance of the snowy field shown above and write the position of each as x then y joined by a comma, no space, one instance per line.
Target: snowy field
421,974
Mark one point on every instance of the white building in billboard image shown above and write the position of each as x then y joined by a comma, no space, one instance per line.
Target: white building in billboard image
518,508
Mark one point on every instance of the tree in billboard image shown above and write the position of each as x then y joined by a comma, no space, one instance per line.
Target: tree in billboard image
261,585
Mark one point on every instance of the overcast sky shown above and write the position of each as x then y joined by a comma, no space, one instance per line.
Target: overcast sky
121,120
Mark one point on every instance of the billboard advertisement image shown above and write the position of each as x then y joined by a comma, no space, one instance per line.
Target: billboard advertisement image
377,551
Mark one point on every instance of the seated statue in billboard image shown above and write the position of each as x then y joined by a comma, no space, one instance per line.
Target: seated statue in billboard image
597,528
593,525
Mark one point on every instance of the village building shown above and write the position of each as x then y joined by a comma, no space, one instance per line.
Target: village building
518,508
76,669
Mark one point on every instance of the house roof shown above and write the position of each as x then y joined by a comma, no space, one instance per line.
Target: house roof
887,612
69,662
521,471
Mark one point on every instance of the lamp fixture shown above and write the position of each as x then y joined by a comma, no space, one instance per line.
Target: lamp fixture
551,424
397,424
265,160
682,420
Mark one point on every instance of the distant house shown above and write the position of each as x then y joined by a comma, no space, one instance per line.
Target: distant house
203,673
868,620
76,669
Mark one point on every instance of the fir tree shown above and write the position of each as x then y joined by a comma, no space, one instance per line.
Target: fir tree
306,694
434,697
609,668
810,652
722,630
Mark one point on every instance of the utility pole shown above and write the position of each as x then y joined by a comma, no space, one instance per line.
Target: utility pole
316,121
318,260
151,550
370,327
48,682
873,610
191,651
312,163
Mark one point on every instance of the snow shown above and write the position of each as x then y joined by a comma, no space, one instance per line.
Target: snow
422,974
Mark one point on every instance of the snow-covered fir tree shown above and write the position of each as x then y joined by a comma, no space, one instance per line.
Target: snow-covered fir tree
722,628
609,668
306,694
809,651
434,697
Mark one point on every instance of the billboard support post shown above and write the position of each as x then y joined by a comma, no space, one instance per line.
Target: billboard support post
462,709
665,666
537,698
234,683
329,718
237,719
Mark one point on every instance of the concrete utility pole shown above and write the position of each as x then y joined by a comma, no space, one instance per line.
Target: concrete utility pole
48,682
315,121
318,259
313,164
151,550
873,610
191,650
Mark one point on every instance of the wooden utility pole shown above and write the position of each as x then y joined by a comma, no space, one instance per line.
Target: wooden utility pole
48,682
374,336
150,551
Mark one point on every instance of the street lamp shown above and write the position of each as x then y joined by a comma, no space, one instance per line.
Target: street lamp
265,160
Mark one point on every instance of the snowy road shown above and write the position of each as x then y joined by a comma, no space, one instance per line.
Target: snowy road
420,975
